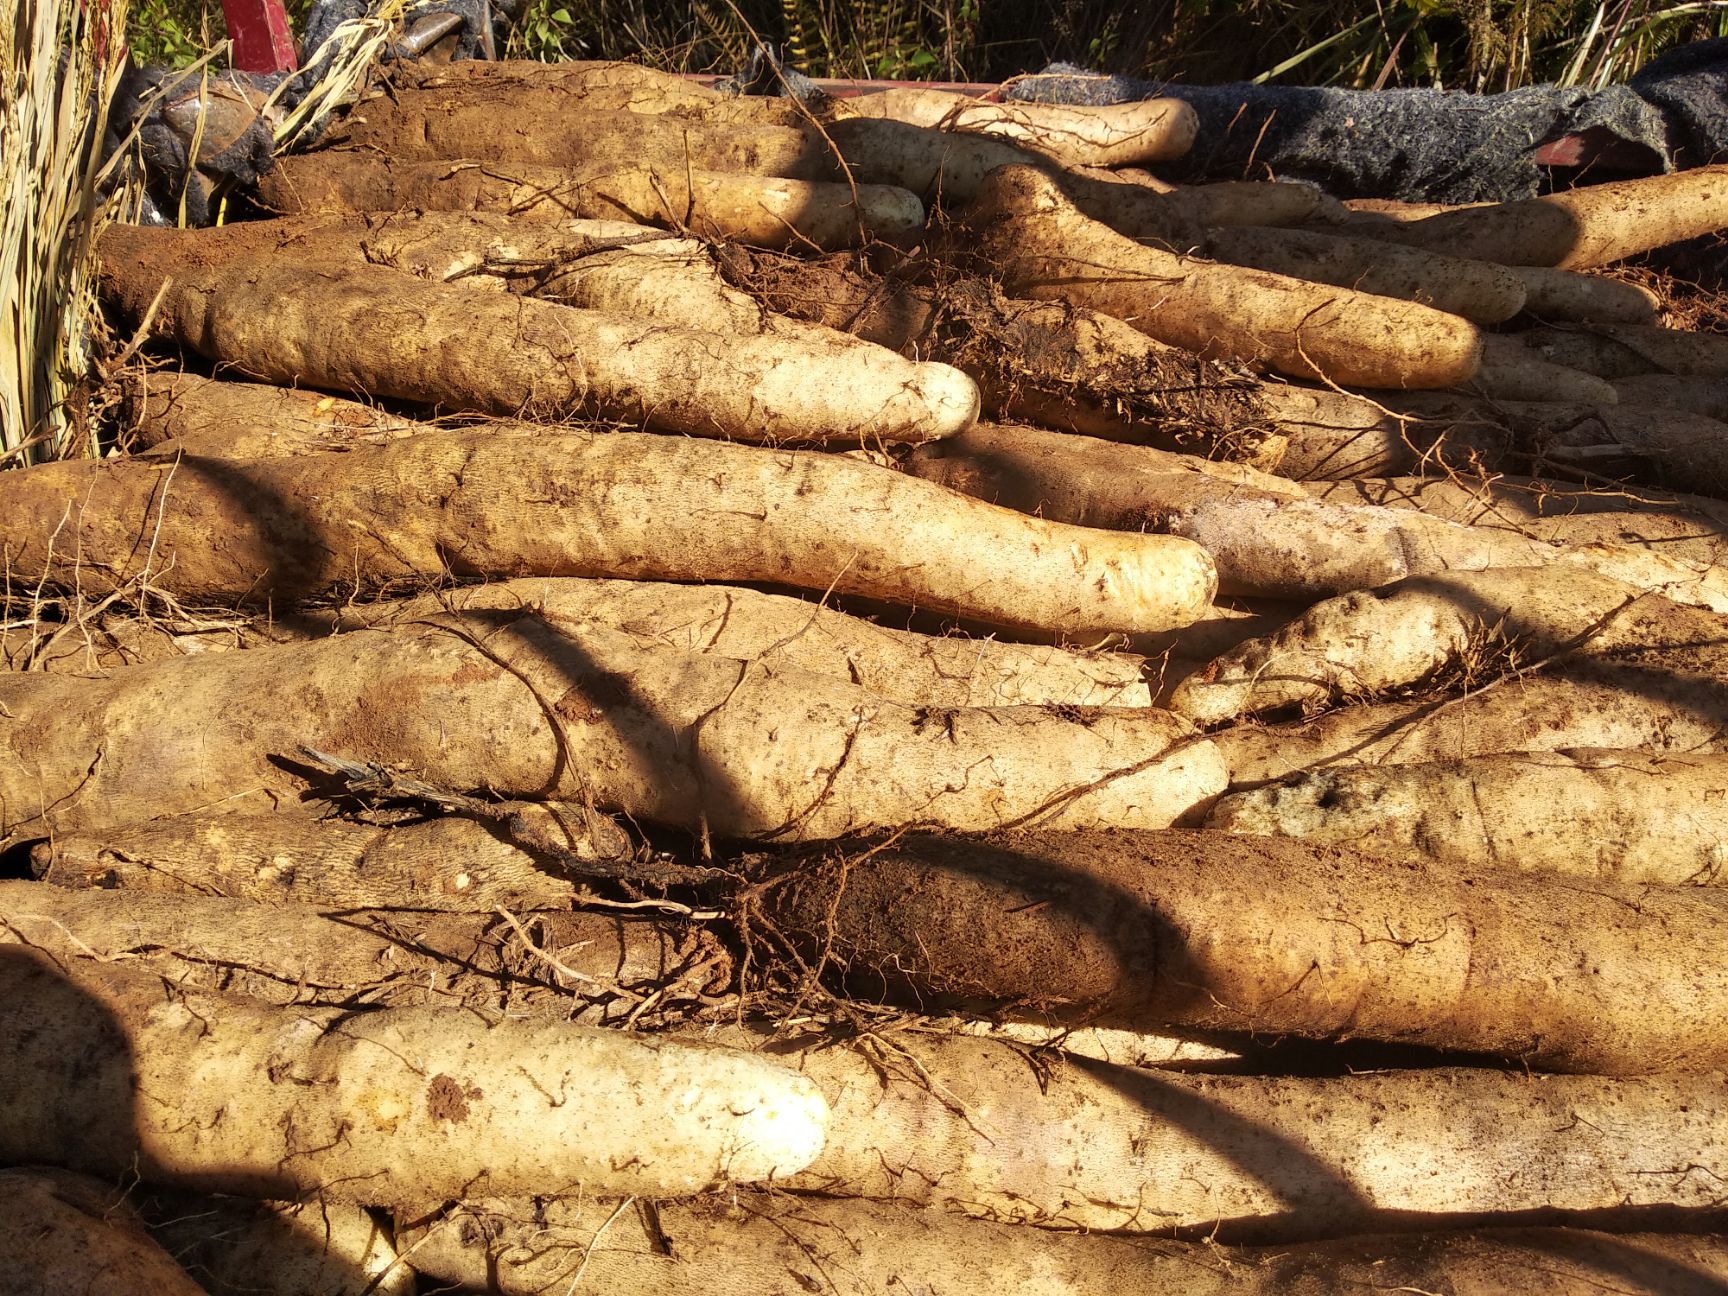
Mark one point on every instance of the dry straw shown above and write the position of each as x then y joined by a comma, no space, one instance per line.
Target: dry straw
62,63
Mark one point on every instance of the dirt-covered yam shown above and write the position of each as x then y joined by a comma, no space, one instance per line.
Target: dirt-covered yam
1219,931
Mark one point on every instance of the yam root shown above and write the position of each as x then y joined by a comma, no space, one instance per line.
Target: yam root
373,330
448,863
1148,130
1584,227
69,1235
941,167
1513,371
1264,542
1047,361
1706,396
183,413
755,1245
617,504
978,1128
1363,644
1150,209
761,210
1332,436
1559,295
589,967
1608,813
1584,703
721,620
775,631
1215,931
1045,248
1615,351
235,1247
1475,290
507,704
1692,528
115,1073
549,129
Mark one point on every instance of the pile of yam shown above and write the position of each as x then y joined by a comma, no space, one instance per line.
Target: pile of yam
673,693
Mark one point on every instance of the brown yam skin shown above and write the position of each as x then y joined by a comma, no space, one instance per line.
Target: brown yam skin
1046,362
1214,931
1045,248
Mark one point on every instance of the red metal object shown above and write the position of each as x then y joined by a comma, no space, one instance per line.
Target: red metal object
263,39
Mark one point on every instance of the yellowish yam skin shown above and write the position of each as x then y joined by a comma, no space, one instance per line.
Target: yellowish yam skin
1588,703
1366,643
1475,290
345,326
1584,227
